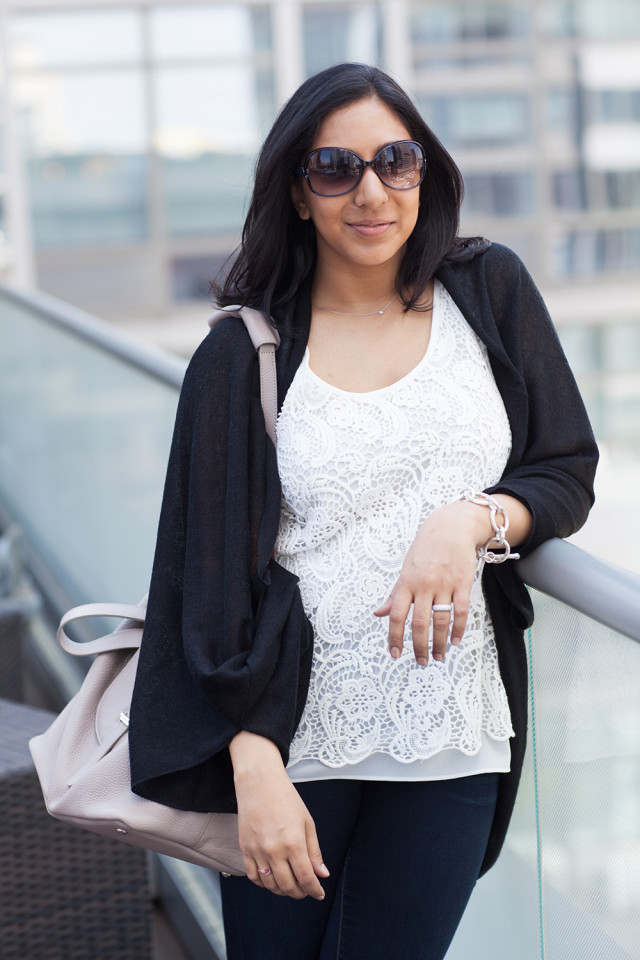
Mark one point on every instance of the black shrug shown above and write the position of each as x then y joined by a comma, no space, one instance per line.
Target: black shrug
227,645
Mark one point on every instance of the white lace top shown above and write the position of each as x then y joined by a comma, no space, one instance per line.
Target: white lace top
360,473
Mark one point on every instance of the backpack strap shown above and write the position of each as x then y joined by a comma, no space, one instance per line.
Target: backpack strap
265,339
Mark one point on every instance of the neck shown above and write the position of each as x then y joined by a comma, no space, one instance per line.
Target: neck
353,289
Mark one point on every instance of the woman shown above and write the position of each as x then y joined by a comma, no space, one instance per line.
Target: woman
324,646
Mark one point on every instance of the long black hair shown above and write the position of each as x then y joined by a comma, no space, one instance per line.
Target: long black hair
278,249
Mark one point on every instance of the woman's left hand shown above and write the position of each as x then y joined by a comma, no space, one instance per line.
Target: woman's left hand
438,569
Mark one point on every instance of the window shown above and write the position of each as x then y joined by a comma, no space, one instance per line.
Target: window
583,347
74,38
499,194
607,19
592,19
614,106
477,20
339,33
222,31
568,190
562,109
85,144
586,252
485,120
622,188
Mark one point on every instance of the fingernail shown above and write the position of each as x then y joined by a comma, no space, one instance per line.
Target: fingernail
320,896
395,652
455,641
324,867
438,656
422,661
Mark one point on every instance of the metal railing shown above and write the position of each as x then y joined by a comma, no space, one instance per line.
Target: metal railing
85,420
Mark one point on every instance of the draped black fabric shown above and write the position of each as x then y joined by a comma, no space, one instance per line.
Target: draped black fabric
227,645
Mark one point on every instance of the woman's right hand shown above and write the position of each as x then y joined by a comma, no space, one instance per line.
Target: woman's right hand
277,834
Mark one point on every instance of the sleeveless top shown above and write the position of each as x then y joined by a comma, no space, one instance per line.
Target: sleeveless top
360,472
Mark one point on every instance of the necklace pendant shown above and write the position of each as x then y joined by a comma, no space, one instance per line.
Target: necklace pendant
380,312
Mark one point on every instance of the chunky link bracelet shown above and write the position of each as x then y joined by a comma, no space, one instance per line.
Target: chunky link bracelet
500,523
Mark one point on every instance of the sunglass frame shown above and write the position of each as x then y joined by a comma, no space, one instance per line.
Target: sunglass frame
303,169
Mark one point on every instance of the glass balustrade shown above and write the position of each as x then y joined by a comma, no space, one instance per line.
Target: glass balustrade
567,885
84,439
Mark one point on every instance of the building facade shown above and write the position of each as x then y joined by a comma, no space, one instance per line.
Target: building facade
128,130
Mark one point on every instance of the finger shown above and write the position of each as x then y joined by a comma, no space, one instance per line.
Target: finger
420,624
461,614
313,848
384,609
441,625
253,872
286,881
266,878
400,605
306,880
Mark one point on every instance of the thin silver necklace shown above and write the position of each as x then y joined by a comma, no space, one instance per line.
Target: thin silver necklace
338,313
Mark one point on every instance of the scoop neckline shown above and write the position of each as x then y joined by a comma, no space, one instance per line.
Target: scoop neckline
435,323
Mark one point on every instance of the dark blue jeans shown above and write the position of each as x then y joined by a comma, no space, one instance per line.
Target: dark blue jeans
404,858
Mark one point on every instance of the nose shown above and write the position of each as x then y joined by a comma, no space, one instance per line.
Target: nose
371,191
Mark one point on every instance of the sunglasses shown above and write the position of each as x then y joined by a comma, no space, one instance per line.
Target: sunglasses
334,171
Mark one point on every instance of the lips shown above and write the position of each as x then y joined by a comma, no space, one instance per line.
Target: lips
371,228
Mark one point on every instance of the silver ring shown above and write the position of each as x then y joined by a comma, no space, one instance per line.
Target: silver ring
442,608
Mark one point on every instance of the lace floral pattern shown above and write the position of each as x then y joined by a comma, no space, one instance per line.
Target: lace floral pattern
360,472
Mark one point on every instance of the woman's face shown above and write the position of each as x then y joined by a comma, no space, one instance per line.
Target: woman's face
369,226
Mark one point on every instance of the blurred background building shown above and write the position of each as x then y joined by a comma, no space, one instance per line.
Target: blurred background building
128,130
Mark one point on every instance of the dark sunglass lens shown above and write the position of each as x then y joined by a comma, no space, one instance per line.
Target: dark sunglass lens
332,171
401,165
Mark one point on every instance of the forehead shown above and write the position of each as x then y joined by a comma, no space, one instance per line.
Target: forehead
363,126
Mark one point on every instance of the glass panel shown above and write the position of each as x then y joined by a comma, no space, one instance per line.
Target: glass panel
85,144
82,112
492,119
210,123
583,347
500,195
561,109
202,109
614,106
596,251
622,188
98,199
621,345
568,190
335,34
587,724
208,31
577,813
436,22
84,440
558,18
191,277
67,38
426,60
608,19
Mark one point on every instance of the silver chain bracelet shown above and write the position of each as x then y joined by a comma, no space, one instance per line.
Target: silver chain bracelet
500,523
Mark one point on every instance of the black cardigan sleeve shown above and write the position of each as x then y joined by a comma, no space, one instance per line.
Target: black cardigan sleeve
554,454
226,644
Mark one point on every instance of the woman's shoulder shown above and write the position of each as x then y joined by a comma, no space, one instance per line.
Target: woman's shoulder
478,254
225,356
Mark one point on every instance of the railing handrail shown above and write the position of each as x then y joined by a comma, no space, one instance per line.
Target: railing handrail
146,357
603,591
600,590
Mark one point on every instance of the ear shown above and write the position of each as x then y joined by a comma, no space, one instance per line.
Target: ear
298,199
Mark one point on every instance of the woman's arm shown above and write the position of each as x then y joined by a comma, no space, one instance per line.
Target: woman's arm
277,835
439,569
